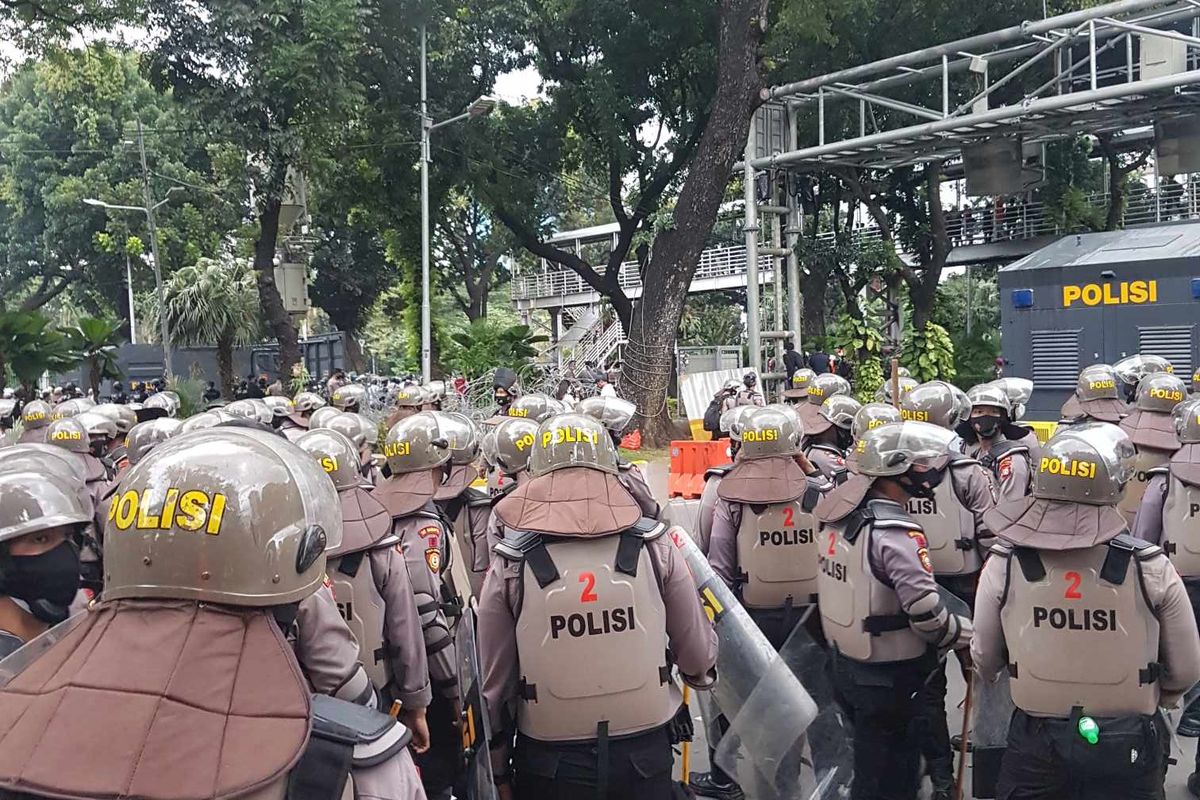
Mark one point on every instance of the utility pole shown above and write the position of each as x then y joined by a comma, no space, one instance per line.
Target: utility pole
129,288
426,129
148,198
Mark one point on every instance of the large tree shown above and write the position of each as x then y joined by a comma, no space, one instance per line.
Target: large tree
278,78
67,133
471,246
652,104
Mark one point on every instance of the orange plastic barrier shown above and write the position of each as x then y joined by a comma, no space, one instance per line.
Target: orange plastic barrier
689,461
633,441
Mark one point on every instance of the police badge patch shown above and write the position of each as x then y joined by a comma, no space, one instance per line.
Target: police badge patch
433,558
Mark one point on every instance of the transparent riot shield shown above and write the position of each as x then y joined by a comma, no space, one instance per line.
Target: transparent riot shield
474,723
759,693
16,663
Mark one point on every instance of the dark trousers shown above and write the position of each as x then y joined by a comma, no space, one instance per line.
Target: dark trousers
1046,759
1192,585
883,703
935,730
440,764
638,768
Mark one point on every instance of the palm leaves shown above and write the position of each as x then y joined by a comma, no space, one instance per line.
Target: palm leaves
213,302
95,342
29,346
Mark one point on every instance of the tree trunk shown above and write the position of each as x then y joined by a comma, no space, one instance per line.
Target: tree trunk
276,316
225,365
812,324
1116,195
923,283
94,379
354,353
654,326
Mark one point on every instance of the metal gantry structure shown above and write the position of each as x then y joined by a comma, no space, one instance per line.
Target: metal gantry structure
988,102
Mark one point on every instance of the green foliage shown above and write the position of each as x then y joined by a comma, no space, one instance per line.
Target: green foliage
191,394
386,341
974,353
212,301
96,342
484,346
863,342
929,353
64,124
30,346
712,319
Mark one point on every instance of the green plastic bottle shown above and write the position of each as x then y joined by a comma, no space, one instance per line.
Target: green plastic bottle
1089,730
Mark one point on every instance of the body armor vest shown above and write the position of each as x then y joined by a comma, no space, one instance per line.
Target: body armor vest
860,610
362,606
1002,449
591,636
1147,460
837,474
948,524
777,553
708,505
498,482
1079,630
1181,525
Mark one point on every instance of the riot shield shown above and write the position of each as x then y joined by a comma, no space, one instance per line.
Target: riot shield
992,708
759,693
16,663
474,724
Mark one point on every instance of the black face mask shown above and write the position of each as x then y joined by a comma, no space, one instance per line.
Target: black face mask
47,582
986,426
503,400
844,438
921,484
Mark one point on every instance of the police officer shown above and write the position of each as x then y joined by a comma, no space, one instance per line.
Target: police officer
797,391
1196,381
505,389
881,610
868,418
828,438
582,616
506,449
117,393
364,434
820,389
1093,626
69,434
1151,428
534,406
749,394
417,456
468,509
1167,516
615,414
764,545
372,586
35,416
281,408
1096,398
351,397
239,705
298,420
726,397
41,516
1134,369
123,419
408,402
731,424
958,540
990,436
884,393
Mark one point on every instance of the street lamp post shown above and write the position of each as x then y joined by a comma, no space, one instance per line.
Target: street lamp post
480,108
149,210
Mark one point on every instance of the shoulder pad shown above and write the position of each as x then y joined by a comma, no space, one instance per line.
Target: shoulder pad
828,448
1142,549
516,544
1162,469
961,460
1007,448
648,529
9,644
374,735
1001,549
719,471
476,497
388,541
891,515
504,490
429,511
624,466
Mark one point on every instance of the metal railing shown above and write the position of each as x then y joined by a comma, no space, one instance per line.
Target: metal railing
983,225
